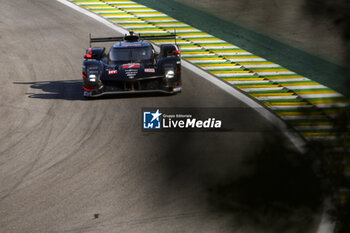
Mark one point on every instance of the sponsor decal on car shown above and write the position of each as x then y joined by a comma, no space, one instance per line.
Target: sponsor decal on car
150,70
131,73
131,66
112,71
131,44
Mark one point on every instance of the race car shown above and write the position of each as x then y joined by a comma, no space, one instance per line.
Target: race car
132,65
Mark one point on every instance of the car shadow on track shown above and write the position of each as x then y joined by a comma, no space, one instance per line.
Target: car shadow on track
64,89
72,90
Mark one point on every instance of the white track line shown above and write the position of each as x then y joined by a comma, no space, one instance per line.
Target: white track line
262,89
197,55
94,16
90,3
160,20
275,72
207,61
249,82
140,10
208,45
332,105
173,25
235,74
287,97
195,36
218,67
298,87
262,66
246,59
276,107
324,95
233,53
291,80
98,7
143,26
106,12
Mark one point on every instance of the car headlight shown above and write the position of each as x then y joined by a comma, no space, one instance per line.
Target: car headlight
92,78
170,74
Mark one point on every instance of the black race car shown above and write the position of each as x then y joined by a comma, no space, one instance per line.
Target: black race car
131,65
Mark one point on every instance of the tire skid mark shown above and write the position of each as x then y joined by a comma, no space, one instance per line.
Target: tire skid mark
44,125
86,136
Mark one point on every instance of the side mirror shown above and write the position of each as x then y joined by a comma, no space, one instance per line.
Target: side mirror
88,54
167,50
94,53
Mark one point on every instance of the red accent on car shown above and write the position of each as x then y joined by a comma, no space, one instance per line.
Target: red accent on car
176,52
112,71
176,85
88,89
126,45
89,54
150,70
84,75
130,66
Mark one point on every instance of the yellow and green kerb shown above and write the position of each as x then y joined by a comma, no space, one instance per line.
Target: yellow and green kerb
309,107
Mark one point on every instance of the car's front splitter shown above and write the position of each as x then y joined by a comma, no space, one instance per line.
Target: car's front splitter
101,92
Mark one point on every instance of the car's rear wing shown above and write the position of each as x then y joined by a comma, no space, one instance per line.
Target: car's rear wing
131,38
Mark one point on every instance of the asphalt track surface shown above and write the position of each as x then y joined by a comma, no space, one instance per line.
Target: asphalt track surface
71,165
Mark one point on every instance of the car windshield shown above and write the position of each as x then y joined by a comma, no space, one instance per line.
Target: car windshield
130,54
